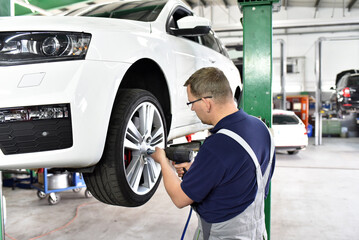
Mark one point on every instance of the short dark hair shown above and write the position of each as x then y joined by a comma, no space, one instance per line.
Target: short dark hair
210,81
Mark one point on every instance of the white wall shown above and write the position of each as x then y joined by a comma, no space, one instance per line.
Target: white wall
336,55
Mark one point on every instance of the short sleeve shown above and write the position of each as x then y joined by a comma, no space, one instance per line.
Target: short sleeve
200,179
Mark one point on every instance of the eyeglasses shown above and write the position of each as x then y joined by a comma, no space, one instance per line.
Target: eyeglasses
197,100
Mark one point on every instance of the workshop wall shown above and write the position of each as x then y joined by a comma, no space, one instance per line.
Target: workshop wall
336,57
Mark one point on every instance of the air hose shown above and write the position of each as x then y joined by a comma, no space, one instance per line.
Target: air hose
185,227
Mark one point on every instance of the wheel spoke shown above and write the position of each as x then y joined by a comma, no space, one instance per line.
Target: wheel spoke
130,145
133,133
146,113
136,183
131,169
157,137
149,173
135,177
158,132
142,119
150,112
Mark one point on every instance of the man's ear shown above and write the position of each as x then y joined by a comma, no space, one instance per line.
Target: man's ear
208,103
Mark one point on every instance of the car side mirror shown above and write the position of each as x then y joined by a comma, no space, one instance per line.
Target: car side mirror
192,26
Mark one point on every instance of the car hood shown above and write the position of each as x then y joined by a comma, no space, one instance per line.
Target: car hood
68,23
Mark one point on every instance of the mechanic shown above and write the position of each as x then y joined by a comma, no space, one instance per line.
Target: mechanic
227,182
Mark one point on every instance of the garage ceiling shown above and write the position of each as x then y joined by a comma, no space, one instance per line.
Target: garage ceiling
286,4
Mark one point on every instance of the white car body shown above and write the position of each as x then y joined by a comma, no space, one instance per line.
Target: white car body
90,85
95,93
289,131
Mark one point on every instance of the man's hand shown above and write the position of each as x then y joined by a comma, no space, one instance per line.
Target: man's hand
159,156
179,167
171,181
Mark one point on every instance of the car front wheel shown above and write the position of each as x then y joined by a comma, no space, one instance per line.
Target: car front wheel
126,175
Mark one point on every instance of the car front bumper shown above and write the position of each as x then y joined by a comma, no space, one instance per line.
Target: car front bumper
88,87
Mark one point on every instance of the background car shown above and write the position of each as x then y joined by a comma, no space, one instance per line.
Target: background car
289,131
93,90
347,92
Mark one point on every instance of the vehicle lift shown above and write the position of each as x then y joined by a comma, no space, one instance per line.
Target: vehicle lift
257,70
257,67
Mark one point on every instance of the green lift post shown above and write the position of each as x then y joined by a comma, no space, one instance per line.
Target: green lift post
4,8
257,67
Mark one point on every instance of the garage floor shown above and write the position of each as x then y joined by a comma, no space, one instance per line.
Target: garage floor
315,195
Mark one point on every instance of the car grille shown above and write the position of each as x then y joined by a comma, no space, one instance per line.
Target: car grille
35,136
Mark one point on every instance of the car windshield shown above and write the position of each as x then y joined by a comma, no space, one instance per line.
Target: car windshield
145,11
353,81
284,119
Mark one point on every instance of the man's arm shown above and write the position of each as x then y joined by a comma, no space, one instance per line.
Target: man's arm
171,181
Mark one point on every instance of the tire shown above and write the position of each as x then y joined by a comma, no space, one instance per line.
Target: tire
126,175
293,152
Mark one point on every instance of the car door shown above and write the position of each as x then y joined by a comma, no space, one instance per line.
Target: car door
187,58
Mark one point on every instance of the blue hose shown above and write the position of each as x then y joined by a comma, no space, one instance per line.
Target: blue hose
185,227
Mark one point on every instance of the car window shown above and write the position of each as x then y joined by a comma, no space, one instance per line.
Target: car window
353,81
223,48
137,10
284,119
210,41
342,82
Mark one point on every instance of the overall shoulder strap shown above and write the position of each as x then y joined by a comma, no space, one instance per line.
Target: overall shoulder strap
272,150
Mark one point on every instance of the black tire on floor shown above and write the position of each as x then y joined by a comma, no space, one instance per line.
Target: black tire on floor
293,152
126,175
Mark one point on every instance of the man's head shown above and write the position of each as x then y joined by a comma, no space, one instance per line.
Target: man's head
210,81
210,95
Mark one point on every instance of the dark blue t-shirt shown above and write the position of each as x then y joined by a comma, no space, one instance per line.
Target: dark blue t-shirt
222,179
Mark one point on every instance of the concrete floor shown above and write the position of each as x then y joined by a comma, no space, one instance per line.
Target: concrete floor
315,195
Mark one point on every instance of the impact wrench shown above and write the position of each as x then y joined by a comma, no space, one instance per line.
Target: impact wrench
180,153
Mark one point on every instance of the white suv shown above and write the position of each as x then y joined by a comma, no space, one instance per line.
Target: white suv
92,91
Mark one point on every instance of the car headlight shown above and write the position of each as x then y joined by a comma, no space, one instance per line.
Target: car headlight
34,47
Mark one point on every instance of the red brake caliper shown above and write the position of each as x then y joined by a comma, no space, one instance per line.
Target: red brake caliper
128,157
